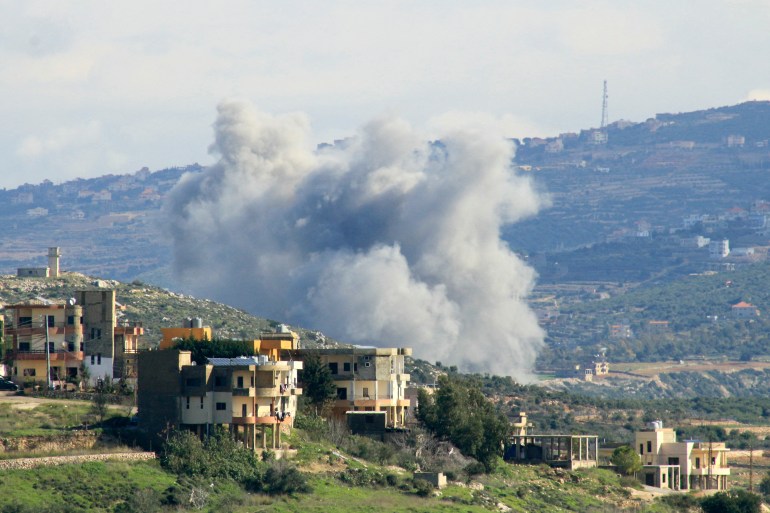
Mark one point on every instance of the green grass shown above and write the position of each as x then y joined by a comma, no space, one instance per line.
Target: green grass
95,486
47,418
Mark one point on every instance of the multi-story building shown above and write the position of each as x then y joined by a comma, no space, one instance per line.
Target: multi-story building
111,347
246,394
687,465
81,333
368,379
27,328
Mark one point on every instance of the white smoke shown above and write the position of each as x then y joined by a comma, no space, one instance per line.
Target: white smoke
382,239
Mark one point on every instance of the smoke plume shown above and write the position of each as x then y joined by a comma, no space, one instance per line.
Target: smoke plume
382,239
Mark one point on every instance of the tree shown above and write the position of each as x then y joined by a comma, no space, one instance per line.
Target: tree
764,485
317,383
626,459
460,413
736,501
99,401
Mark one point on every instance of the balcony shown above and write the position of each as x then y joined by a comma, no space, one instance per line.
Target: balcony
39,354
244,392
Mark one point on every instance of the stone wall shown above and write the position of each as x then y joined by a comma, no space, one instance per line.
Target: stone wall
78,440
26,463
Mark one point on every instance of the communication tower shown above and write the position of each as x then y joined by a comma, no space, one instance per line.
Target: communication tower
604,106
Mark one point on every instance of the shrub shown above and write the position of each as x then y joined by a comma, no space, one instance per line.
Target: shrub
422,487
283,478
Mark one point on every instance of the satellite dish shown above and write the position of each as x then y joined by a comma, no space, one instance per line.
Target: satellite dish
71,301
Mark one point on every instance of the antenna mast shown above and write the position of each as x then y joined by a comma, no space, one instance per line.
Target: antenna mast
604,106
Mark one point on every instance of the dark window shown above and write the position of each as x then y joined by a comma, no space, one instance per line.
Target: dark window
697,462
366,392
51,347
220,381
192,382
649,446
346,366
221,406
188,402
243,410
240,381
673,461
70,346
98,358
51,321
29,372
641,448
201,402
92,359
24,346
342,393
333,367
70,320
25,322
355,367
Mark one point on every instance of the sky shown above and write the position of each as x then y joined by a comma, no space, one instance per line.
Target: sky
90,88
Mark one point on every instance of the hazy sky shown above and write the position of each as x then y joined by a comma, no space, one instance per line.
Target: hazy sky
90,88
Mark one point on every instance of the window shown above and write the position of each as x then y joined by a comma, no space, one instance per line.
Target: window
713,460
355,367
641,448
51,321
93,358
664,478
221,406
697,462
333,367
346,366
70,346
220,381
649,446
51,347
673,461
96,333
25,322
368,364
24,346
192,382
70,320
252,381
342,393
201,402
98,358
29,372
240,381
366,392
188,402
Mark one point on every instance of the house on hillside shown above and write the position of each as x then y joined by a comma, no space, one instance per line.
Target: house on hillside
45,342
368,379
563,451
744,310
686,465
111,346
248,395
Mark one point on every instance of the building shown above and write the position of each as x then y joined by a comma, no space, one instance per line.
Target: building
564,451
111,347
687,465
247,395
52,271
192,328
368,379
719,248
44,343
744,310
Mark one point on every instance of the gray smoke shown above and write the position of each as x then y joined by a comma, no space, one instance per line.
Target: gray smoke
383,239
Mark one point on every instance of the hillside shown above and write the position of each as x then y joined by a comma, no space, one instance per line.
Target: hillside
153,306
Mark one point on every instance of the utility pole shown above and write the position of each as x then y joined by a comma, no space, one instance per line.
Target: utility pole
751,467
604,107
47,355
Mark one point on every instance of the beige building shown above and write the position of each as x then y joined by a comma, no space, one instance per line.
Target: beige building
686,465
248,395
111,346
564,451
27,328
368,379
